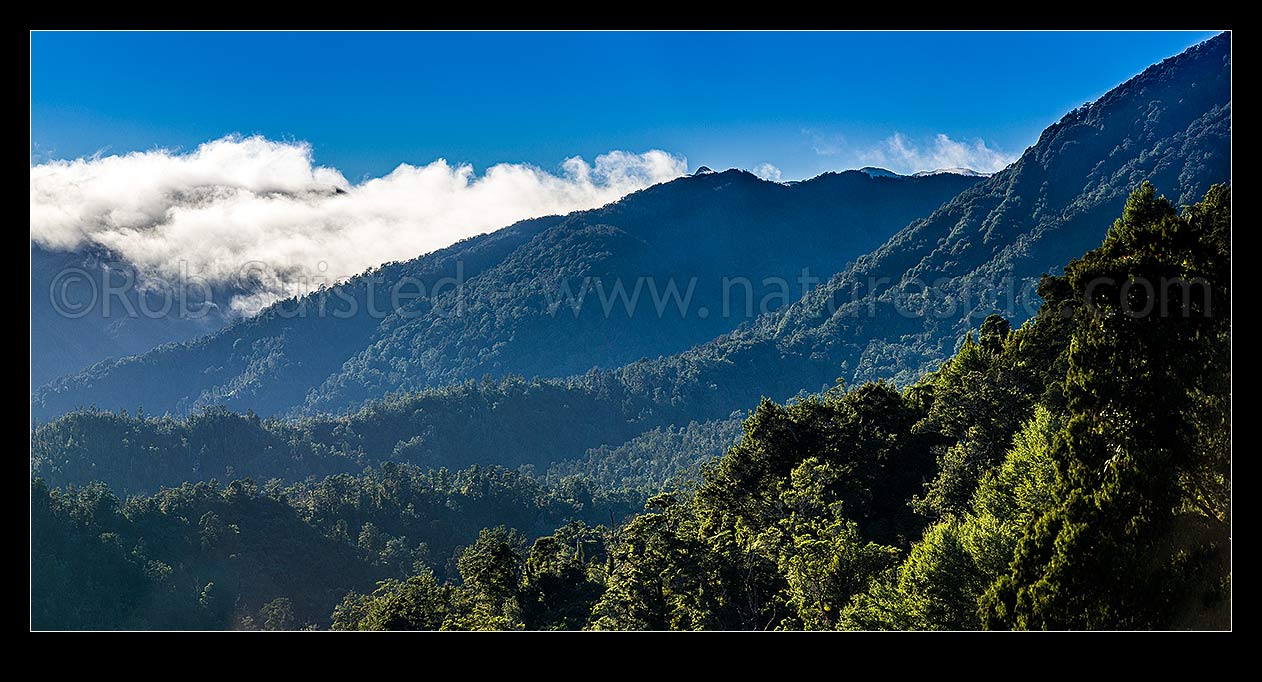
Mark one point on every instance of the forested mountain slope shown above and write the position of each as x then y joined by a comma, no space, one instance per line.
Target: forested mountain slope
548,297
1170,125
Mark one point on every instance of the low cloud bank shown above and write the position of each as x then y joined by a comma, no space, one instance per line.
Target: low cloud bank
241,200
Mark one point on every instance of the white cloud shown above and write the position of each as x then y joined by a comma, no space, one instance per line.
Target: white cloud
240,200
767,171
900,155
825,144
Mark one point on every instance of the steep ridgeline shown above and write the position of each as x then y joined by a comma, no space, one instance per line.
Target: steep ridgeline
1170,125
642,277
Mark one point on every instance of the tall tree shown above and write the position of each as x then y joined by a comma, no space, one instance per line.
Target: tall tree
1140,534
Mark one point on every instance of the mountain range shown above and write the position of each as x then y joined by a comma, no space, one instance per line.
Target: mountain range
408,385
550,297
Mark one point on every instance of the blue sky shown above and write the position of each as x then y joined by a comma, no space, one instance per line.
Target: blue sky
802,102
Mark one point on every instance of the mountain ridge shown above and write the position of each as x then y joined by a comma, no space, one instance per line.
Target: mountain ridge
989,227
271,363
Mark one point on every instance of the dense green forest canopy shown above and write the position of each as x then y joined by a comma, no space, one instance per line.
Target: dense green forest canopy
215,556
1073,472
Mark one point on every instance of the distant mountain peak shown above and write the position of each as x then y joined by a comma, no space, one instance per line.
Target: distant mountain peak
723,224
874,172
969,172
